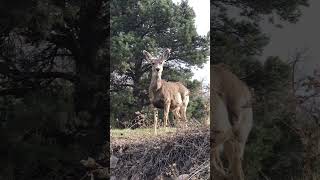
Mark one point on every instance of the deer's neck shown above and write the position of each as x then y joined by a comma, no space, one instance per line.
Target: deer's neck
156,82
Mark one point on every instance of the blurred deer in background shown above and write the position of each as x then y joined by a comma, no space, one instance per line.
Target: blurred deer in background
231,122
170,96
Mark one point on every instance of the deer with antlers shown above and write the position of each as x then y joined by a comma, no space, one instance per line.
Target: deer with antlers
231,122
169,96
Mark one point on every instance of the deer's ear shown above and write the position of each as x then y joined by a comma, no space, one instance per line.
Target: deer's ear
147,55
165,55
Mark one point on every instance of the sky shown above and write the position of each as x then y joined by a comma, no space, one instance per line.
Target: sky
202,22
305,34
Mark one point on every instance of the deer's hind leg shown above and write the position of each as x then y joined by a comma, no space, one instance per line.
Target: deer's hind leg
218,143
177,115
183,109
236,164
235,146
217,171
245,128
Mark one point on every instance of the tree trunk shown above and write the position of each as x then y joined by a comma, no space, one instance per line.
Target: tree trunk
307,165
137,84
91,88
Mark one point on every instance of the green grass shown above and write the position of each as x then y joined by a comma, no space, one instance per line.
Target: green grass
140,132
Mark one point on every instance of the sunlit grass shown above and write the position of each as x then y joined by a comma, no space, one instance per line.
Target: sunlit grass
140,132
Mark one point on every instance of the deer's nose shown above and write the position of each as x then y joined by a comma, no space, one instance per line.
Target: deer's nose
157,69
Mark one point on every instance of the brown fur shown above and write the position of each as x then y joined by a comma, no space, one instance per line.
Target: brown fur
231,121
231,89
167,92
170,96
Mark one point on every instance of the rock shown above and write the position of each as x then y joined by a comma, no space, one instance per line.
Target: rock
113,161
183,177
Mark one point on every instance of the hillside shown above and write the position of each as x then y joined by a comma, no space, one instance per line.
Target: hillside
138,154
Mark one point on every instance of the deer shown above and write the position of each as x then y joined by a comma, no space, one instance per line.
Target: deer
231,122
166,95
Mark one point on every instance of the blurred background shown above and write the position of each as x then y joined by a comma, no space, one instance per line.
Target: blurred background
272,46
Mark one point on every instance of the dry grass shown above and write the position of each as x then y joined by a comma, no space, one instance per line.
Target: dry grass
131,134
171,154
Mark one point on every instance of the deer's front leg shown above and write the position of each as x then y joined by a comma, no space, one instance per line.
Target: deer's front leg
155,111
155,118
166,113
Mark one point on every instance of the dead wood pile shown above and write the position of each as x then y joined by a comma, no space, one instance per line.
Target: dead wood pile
181,155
